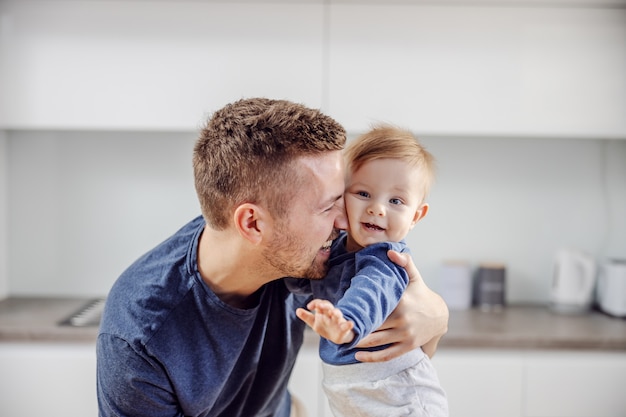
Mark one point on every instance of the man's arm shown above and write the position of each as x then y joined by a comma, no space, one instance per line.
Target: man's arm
128,384
419,320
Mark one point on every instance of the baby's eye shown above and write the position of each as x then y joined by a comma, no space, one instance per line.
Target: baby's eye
363,194
395,201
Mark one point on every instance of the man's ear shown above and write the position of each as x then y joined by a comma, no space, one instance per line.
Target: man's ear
251,221
420,213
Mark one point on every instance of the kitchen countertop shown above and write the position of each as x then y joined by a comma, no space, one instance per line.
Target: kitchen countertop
32,319
36,319
534,327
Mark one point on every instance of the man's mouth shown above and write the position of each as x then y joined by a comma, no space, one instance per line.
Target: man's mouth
331,238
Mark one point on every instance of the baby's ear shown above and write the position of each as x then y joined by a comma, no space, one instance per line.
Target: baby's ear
420,213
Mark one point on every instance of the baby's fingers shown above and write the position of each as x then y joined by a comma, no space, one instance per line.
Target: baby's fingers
306,316
346,326
321,306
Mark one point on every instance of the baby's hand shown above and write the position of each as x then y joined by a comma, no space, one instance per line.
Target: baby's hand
327,321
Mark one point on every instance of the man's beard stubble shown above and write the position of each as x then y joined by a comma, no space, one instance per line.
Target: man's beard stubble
282,255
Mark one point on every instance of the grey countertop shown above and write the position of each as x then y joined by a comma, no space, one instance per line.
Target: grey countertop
32,319
37,319
534,327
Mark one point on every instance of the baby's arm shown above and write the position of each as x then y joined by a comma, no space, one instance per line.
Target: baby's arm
327,321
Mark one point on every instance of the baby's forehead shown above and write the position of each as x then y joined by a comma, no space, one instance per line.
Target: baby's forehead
404,179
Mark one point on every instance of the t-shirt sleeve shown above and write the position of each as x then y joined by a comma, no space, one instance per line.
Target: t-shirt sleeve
129,383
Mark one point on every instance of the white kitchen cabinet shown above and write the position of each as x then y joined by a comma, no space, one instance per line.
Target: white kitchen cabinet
518,69
42,379
533,383
151,65
575,384
503,382
306,380
479,70
59,379
478,383
481,383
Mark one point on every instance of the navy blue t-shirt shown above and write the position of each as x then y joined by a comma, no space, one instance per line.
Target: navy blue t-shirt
168,346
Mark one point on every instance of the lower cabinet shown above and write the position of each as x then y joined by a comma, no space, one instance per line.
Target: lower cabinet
59,379
481,383
306,383
38,379
506,383
575,384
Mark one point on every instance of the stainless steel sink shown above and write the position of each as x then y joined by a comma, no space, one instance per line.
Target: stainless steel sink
88,315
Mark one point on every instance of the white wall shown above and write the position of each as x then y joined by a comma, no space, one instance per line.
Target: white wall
517,201
499,89
83,205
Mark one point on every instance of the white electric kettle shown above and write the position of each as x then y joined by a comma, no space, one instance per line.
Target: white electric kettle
573,282
611,291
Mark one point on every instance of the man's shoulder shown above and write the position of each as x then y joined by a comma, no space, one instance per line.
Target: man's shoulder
152,286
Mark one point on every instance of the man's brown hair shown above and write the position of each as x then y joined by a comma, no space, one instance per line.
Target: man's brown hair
245,153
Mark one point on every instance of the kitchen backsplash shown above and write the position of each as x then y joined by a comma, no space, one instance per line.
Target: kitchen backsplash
81,206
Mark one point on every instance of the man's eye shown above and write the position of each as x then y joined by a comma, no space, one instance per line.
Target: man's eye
395,201
337,205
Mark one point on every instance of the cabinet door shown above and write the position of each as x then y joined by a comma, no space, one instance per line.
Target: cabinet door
481,383
306,380
152,64
479,70
576,384
48,380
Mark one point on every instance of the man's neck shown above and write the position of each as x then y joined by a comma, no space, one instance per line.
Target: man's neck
229,269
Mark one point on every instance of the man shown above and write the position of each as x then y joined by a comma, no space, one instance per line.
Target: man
203,324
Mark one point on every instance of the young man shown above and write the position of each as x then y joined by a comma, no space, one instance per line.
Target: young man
203,324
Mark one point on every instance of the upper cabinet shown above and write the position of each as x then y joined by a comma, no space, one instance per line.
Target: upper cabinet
501,67
480,70
145,65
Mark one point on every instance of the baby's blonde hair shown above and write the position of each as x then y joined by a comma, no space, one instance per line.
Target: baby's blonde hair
390,142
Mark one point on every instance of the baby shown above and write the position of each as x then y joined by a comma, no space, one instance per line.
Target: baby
389,174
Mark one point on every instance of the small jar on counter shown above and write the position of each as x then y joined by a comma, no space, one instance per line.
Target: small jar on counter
489,286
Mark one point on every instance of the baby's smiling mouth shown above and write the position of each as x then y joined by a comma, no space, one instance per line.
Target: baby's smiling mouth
372,226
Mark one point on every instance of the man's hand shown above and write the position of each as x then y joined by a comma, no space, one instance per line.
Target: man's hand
327,321
419,320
